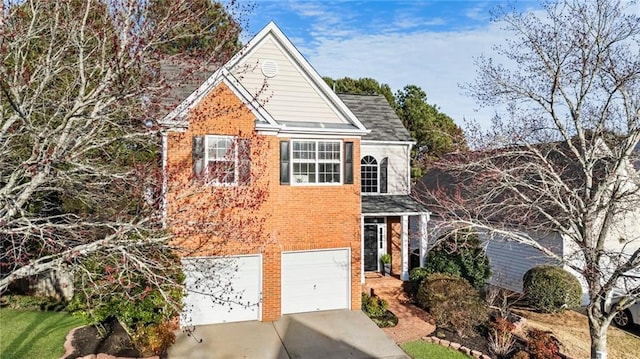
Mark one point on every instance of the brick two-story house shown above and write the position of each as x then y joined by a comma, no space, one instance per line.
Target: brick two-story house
265,126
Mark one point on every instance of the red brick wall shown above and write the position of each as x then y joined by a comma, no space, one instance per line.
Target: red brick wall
292,217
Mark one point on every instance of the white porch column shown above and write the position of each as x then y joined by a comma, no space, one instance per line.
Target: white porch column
424,241
404,221
362,249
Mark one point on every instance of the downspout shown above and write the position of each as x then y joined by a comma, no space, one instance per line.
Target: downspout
165,180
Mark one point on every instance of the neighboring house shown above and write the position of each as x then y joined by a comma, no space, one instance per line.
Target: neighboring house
510,259
266,121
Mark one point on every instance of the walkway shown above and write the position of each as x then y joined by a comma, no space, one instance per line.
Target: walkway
413,322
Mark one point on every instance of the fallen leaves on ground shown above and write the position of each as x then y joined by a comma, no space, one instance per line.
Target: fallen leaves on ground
572,330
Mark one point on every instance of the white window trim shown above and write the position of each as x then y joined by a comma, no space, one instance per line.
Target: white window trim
215,182
317,161
377,191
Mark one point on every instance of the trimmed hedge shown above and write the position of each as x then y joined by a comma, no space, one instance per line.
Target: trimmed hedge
551,289
453,303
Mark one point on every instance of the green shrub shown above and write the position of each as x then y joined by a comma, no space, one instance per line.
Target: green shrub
416,276
28,302
453,303
376,309
374,306
551,289
460,254
105,292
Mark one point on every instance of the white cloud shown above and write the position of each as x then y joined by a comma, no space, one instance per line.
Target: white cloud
436,61
479,12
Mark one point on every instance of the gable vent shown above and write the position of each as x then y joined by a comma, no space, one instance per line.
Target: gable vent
269,68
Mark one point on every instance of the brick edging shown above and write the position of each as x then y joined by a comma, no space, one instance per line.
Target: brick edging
456,346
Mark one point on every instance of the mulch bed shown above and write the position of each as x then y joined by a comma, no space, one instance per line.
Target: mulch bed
477,343
87,340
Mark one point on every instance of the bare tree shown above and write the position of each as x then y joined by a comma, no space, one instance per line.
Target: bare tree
563,155
80,167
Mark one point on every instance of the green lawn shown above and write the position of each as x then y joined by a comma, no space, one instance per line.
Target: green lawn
27,334
420,349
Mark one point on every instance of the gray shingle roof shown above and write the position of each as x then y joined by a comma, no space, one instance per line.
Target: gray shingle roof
183,78
386,204
376,115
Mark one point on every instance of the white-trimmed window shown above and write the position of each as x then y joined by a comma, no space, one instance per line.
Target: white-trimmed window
373,175
369,175
316,161
221,160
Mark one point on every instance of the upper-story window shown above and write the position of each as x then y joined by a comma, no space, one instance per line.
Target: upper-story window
316,162
221,160
369,175
373,175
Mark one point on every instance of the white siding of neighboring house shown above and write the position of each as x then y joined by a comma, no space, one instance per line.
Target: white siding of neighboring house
288,96
623,240
511,260
397,167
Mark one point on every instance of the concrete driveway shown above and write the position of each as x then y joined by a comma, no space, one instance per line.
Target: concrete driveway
328,334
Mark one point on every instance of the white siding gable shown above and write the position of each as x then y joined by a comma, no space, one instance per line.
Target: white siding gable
397,167
290,95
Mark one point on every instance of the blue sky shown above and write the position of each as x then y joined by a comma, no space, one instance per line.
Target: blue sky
431,44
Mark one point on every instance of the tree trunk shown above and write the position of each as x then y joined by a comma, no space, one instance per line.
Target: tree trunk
598,333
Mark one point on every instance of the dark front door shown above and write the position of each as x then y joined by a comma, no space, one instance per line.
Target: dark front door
370,247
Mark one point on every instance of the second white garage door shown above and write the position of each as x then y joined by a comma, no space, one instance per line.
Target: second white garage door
316,280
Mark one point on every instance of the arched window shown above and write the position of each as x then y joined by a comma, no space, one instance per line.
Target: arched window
369,175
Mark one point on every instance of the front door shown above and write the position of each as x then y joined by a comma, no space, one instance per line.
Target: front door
370,247
375,243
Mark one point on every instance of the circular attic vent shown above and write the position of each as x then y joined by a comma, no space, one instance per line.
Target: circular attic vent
270,68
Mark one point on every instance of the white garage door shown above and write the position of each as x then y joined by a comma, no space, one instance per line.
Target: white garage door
316,280
221,290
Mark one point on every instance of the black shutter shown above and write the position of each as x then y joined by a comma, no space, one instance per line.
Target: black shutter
383,175
348,162
197,156
284,162
244,161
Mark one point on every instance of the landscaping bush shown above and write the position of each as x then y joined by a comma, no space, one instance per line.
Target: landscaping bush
452,302
551,289
373,306
460,254
106,294
500,339
376,309
155,339
521,355
29,302
416,276
541,345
